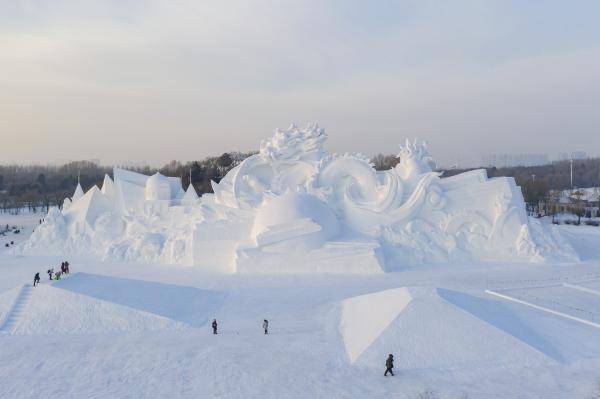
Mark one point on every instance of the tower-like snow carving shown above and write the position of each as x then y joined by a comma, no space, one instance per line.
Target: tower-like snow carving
294,207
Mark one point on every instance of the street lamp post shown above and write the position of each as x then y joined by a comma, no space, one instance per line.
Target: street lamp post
571,174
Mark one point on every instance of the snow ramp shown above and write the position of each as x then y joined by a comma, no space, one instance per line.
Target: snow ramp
45,310
435,328
190,305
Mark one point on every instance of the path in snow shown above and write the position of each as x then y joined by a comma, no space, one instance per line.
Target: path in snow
17,310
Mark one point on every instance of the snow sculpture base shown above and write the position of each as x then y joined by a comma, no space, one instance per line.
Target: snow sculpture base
333,257
295,208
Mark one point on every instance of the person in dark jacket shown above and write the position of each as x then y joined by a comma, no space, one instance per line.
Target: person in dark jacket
36,279
62,267
389,365
50,272
214,326
67,267
266,326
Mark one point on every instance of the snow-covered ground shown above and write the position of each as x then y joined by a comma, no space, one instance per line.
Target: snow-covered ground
25,222
131,330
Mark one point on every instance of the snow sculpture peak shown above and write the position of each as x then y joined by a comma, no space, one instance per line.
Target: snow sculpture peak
108,186
190,197
414,159
294,144
78,193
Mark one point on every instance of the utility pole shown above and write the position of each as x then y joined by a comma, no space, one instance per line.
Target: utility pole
533,178
571,174
190,176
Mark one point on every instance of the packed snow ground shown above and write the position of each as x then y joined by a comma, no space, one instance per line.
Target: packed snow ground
25,222
143,331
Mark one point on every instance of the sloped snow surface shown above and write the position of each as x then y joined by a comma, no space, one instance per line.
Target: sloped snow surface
49,311
441,329
186,304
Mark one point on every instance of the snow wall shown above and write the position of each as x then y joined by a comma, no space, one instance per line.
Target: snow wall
294,208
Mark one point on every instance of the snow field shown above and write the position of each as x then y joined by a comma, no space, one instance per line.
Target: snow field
149,335
581,303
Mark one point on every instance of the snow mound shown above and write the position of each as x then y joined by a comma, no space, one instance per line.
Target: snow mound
438,328
50,311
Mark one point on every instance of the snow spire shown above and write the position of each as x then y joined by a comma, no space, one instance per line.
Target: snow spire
190,196
78,193
108,186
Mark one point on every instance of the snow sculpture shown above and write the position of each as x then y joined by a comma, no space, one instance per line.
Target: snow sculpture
294,207
190,197
78,193
158,188
108,187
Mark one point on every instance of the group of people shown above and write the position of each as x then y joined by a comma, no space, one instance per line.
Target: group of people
64,269
265,326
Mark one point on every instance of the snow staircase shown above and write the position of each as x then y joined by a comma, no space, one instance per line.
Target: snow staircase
14,315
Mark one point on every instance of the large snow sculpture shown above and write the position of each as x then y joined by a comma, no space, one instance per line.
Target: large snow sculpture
294,207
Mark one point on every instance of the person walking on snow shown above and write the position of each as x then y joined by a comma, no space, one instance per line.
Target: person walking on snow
66,267
266,326
214,326
36,279
62,267
50,272
389,365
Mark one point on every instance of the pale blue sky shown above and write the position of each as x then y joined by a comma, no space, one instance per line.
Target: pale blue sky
129,80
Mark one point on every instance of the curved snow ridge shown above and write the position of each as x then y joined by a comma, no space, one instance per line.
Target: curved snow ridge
52,311
428,327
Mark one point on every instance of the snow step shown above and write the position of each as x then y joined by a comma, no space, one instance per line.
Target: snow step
18,308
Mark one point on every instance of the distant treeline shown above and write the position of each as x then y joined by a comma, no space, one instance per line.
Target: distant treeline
35,186
43,186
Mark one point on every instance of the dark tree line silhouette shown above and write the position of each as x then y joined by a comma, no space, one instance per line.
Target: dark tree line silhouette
43,186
